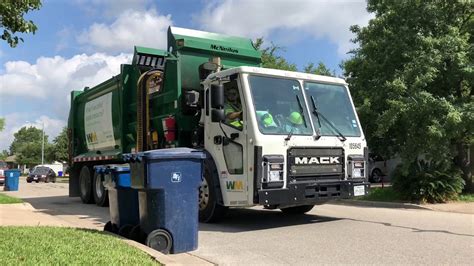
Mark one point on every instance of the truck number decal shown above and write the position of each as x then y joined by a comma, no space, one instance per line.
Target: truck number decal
354,146
98,123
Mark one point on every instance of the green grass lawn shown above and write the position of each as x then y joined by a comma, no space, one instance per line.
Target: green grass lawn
386,194
4,199
466,197
65,246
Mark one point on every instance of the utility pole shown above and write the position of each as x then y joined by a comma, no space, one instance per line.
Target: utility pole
42,147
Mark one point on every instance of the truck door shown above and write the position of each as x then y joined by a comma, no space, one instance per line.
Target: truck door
227,143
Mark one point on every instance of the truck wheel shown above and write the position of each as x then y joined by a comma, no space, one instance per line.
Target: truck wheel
298,209
85,182
376,176
160,240
100,194
209,208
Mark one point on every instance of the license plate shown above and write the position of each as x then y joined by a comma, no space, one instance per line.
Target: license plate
359,190
35,178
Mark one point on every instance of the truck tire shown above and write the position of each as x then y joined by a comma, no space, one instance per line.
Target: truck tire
376,176
298,209
210,210
85,184
98,190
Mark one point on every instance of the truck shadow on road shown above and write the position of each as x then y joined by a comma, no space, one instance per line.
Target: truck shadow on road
242,220
236,220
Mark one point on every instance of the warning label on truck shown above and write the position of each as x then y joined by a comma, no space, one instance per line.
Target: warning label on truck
98,123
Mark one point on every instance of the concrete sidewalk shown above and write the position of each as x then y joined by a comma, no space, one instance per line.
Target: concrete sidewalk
23,214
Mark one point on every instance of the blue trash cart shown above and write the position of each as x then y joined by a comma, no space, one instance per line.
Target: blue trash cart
123,200
168,181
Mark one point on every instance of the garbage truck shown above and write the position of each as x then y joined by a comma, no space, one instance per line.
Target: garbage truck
279,139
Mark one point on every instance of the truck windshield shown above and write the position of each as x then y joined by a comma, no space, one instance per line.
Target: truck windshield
279,106
333,102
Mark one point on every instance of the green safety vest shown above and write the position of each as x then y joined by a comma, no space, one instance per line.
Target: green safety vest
230,108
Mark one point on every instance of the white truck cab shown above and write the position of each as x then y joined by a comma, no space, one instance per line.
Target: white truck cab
297,141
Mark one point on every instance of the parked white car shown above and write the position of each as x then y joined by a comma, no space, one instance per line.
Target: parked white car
377,168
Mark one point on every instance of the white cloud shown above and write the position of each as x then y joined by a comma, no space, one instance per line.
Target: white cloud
49,81
320,19
15,121
132,27
54,77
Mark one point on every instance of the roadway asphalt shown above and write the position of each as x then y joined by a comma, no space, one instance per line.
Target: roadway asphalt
329,234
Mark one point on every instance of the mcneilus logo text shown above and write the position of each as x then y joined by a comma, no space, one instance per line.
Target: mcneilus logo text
224,49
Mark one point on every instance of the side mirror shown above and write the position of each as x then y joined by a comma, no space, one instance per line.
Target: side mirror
217,96
217,115
191,98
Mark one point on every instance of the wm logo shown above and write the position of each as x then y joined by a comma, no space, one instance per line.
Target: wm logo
235,185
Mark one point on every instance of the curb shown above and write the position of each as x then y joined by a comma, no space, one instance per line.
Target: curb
164,259
380,204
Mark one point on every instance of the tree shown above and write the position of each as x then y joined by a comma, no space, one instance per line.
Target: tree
3,155
12,21
27,144
321,69
270,58
412,78
60,146
2,123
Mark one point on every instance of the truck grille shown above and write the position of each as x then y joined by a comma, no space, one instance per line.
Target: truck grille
315,164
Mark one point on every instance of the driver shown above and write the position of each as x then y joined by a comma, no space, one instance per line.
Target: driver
233,108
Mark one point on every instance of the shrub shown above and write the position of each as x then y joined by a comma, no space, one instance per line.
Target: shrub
432,182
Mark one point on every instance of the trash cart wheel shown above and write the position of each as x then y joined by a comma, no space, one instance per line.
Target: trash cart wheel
98,190
160,240
209,208
137,234
125,230
110,227
85,182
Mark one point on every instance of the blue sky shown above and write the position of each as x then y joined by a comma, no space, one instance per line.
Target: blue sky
83,42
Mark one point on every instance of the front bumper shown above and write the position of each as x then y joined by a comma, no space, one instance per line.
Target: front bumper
310,193
35,178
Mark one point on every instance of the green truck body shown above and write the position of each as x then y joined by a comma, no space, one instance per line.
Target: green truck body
188,50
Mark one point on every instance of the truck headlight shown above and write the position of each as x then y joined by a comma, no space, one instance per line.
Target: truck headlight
272,171
275,172
358,170
355,166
